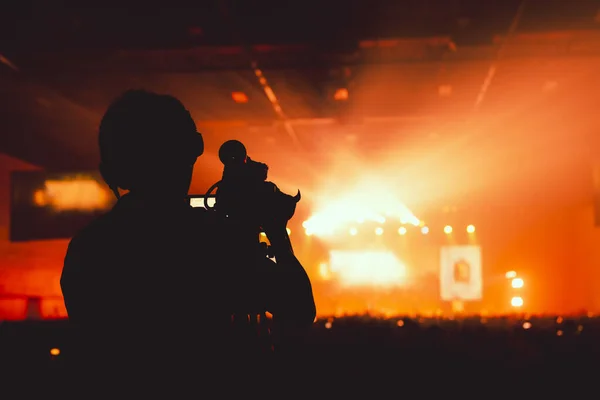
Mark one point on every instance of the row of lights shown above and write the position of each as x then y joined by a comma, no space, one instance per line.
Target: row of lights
403,231
341,94
515,283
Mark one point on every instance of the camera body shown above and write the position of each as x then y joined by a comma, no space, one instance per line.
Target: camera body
244,194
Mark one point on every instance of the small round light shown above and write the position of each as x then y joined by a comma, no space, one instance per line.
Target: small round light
516,301
517,283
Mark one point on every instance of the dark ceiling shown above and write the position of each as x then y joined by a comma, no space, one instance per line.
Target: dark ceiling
409,66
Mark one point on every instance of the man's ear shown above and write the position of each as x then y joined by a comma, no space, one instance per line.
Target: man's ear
112,179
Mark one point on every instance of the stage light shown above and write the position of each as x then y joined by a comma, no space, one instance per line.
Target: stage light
526,325
424,230
353,231
379,231
324,271
447,229
341,94
471,229
511,274
517,283
239,97
308,232
402,230
516,301
54,351
363,268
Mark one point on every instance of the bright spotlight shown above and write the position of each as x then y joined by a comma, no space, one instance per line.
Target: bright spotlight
516,301
402,230
353,231
379,231
424,230
517,283
471,229
447,229
511,274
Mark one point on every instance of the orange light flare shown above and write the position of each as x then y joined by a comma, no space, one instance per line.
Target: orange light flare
75,194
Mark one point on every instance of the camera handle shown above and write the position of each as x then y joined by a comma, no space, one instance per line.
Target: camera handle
208,193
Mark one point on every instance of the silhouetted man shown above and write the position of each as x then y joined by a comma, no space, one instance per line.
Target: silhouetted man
150,287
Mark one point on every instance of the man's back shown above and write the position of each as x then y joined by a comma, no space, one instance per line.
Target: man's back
145,289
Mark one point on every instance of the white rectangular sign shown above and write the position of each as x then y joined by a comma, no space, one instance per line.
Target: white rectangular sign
460,273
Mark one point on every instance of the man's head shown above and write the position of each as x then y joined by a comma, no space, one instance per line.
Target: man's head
148,145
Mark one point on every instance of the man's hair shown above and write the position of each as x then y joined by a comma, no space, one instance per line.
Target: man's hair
142,127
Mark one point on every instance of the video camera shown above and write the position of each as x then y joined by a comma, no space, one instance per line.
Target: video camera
244,196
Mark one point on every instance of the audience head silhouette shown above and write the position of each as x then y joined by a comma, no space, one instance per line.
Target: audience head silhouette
148,145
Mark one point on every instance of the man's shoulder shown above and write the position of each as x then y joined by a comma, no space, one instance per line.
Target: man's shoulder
116,226
86,249
92,232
